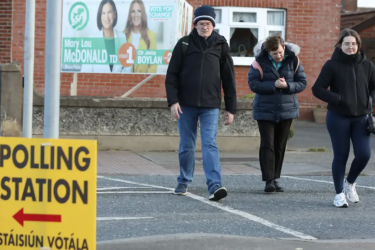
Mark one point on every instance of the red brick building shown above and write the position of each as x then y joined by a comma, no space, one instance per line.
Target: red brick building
312,24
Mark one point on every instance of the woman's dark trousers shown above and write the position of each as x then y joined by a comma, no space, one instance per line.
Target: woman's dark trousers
342,129
273,138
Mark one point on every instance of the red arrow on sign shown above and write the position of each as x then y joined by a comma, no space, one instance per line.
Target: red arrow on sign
20,217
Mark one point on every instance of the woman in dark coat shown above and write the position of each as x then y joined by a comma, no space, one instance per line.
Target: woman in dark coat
350,78
276,77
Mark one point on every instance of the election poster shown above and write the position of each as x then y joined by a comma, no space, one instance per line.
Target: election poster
119,36
185,19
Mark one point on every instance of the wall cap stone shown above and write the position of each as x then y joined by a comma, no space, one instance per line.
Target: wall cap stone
117,102
10,67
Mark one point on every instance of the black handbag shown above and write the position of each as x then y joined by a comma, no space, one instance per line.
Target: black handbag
370,116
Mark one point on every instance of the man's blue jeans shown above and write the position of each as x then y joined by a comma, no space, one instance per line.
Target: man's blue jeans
187,127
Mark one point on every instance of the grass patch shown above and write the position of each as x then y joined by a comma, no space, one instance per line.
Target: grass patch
317,150
291,133
249,96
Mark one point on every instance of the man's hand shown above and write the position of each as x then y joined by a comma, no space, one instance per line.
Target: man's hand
281,83
228,118
176,110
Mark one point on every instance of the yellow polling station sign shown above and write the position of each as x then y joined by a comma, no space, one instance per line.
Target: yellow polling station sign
47,194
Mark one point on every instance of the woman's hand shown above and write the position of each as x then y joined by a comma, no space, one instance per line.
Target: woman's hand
281,83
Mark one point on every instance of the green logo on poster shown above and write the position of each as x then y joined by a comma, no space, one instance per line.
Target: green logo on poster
78,16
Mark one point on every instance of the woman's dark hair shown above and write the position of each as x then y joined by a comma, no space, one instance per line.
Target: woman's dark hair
144,28
272,42
100,10
349,32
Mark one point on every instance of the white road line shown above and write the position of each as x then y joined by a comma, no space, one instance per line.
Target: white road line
229,210
135,183
252,217
122,218
136,192
321,181
115,188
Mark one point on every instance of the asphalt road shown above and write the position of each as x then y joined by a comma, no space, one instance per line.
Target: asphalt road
136,206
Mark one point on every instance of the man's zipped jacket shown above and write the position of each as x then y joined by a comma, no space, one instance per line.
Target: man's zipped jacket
195,79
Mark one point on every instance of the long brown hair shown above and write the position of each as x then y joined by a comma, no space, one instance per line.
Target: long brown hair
144,27
349,32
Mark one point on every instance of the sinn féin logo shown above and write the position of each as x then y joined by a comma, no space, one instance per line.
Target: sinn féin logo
78,16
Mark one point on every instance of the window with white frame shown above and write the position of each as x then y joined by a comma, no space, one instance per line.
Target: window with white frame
244,27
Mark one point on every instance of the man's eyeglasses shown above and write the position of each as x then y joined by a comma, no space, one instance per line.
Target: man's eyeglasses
201,25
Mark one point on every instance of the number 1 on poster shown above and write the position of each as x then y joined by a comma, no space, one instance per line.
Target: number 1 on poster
130,53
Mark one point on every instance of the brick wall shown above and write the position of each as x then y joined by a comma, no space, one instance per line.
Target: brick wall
368,42
312,24
5,31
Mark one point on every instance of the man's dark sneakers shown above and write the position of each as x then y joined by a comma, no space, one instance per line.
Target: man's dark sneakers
277,186
218,193
270,187
181,189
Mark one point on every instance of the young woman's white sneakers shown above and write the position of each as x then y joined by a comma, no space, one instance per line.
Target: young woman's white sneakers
351,192
340,200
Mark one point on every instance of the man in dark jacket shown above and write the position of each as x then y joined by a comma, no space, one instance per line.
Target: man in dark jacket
193,86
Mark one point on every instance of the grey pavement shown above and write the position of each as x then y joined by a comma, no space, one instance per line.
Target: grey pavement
225,242
312,135
137,187
298,160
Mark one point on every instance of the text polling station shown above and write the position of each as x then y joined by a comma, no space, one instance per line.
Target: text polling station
47,194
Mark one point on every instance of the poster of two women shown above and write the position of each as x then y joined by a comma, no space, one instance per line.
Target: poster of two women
121,36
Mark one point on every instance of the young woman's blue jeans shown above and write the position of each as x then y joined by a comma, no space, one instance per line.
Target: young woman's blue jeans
342,129
187,127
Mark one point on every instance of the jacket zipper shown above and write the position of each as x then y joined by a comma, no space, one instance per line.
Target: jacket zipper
200,84
275,71
277,104
355,86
